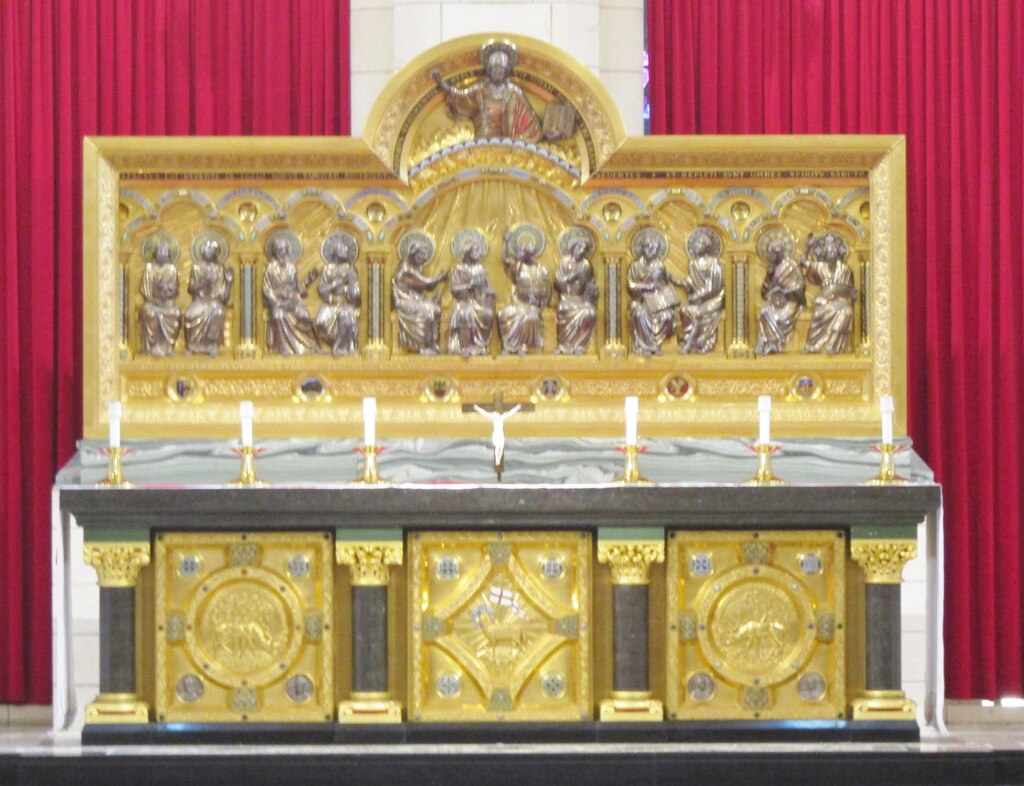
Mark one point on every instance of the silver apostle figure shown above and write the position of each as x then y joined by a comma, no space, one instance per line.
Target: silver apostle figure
337,320
472,317
210,286
418,314
576,313
289,326
825,265
705,293
654,301
521,323
160,316
782,291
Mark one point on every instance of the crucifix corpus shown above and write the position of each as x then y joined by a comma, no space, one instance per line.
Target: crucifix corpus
497,411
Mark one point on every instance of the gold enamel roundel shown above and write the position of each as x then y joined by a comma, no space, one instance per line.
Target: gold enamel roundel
755,625
245,627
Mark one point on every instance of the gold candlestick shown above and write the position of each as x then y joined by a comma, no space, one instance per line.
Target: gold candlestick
764,475
247,475
371,473
115,468
631,471
887,466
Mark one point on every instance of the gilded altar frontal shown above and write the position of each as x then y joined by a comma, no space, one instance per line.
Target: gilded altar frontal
494,229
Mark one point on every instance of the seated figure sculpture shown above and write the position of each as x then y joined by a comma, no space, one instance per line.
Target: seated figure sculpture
497,107
160,316
705,293
289,326
824,264
472,317
521,323
418,314
337,320
576,313
782,290
654,301
209,284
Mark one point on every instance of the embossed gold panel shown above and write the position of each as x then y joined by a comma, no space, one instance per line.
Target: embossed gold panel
243,627
500,626
756,625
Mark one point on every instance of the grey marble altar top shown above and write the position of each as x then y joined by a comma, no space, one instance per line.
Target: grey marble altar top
583,462
450,483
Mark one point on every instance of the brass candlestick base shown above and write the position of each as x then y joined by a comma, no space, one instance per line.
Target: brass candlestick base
115,471
247,476
631,472
764,475
887,467
371,473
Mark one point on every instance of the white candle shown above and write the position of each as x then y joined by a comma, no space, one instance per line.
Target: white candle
370,421
632,410
114,415
886,405
246,412
764,411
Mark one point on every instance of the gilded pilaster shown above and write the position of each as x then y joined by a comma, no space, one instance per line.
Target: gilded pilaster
117,564
376,347
613,344
882,560
630,561
369,561
740,345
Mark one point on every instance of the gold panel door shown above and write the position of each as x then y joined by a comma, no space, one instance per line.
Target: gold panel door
755,625
243,627
500,626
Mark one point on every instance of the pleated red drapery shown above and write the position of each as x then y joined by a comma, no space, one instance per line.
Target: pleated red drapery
948,74
84,67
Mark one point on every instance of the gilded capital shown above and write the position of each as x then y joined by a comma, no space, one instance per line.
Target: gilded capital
117,564
369,561
630,560
882,560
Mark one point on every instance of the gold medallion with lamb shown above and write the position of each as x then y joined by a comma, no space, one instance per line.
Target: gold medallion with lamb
500,626
243,627
756,625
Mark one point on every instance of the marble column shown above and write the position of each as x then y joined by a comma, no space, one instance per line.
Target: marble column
117,565
630,558
370,561
882,562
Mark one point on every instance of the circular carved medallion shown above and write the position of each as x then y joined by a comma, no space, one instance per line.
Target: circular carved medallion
755,624
245,626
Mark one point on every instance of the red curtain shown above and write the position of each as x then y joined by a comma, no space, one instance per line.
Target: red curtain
948,74
70,68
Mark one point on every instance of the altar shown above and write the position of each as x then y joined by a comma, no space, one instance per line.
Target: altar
496,247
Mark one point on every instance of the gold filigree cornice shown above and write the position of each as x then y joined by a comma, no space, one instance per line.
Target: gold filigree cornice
882,560
369,560
117,564
630,561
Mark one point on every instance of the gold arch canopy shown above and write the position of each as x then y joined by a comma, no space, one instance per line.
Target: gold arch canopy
441,155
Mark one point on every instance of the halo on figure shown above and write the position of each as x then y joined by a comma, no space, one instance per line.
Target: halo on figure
569,237
636,244
343,241
700,233
772,234
415,236
817,245
160,236
494,45
464,238
517,239
294,244
210,235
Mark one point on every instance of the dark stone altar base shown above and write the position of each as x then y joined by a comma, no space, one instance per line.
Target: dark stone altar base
801,731
519,766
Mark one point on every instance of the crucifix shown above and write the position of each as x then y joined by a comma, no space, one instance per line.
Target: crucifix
497,411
